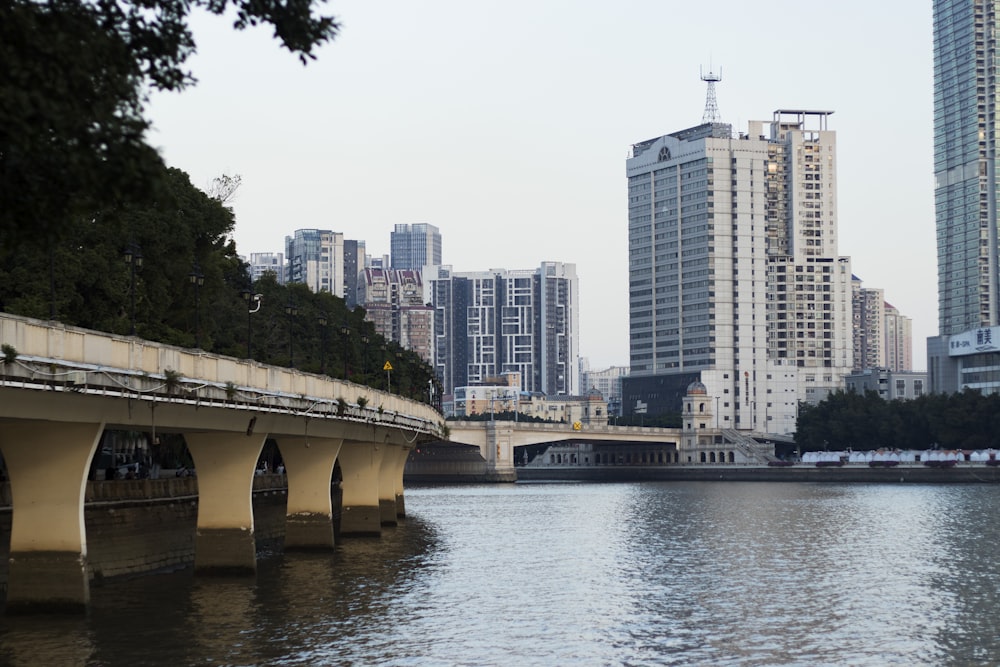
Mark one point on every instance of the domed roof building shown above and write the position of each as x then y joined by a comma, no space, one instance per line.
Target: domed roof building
697,388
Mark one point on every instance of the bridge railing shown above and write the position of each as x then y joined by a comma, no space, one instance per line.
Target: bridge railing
73,359
561,426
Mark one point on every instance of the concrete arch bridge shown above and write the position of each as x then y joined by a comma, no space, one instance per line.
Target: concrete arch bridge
486,450
61,387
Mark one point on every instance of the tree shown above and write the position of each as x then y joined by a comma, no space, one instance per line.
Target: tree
73,76
966,420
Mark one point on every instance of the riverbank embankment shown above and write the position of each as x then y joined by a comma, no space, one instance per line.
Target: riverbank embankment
913,474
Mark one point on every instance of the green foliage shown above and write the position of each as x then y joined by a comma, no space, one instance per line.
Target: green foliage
72,93
505,416
71,125
172,380
9,353
82,279
968,420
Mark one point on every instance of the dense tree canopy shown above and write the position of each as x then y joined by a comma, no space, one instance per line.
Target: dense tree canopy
73,82
82,278
968,420
80,191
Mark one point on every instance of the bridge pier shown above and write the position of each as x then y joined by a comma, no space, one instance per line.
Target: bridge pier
390,483
225,463
309,467
403,453
360,464
48,464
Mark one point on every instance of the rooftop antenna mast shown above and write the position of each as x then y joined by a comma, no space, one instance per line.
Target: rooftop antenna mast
711,114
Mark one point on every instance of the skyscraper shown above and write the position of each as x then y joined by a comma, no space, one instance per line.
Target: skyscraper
490,323
963,355
869,326
898,340
354,263
965,140
734,280
415,246
316,258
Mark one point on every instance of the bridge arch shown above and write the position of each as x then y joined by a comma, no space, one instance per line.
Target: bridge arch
67,385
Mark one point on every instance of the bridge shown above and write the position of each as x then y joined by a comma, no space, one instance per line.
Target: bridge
496,440
61,387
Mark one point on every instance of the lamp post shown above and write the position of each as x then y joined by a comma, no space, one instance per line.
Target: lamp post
291,311
321,321
345,332
197,279
133,257
253,305
364,355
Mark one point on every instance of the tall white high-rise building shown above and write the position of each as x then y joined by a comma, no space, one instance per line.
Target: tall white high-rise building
869,326
316,258
898,340
267,262
501,321
734,276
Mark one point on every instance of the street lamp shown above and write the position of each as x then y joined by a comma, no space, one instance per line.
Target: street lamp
321,321
345,331
291,311
133,257
364,355
253,305
197,279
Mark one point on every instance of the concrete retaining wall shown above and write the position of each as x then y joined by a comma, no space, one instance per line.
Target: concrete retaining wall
969,473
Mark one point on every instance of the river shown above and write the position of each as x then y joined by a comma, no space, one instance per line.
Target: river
583,574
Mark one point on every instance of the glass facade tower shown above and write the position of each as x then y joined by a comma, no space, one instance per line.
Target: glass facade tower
415,246
965,137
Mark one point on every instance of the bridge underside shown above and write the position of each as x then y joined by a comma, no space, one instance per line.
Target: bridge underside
48,463
61,387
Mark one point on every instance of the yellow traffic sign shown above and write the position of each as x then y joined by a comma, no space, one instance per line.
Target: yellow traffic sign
577,426
387,367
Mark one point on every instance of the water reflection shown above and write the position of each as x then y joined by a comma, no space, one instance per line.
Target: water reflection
581,574
27,641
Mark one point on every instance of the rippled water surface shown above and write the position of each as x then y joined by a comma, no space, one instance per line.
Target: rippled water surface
584,574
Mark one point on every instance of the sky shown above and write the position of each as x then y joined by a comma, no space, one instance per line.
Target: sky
507,125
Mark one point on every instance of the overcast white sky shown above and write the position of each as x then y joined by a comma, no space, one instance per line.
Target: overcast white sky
507,124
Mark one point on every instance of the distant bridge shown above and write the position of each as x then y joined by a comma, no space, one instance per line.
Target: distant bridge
61,387
497,440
